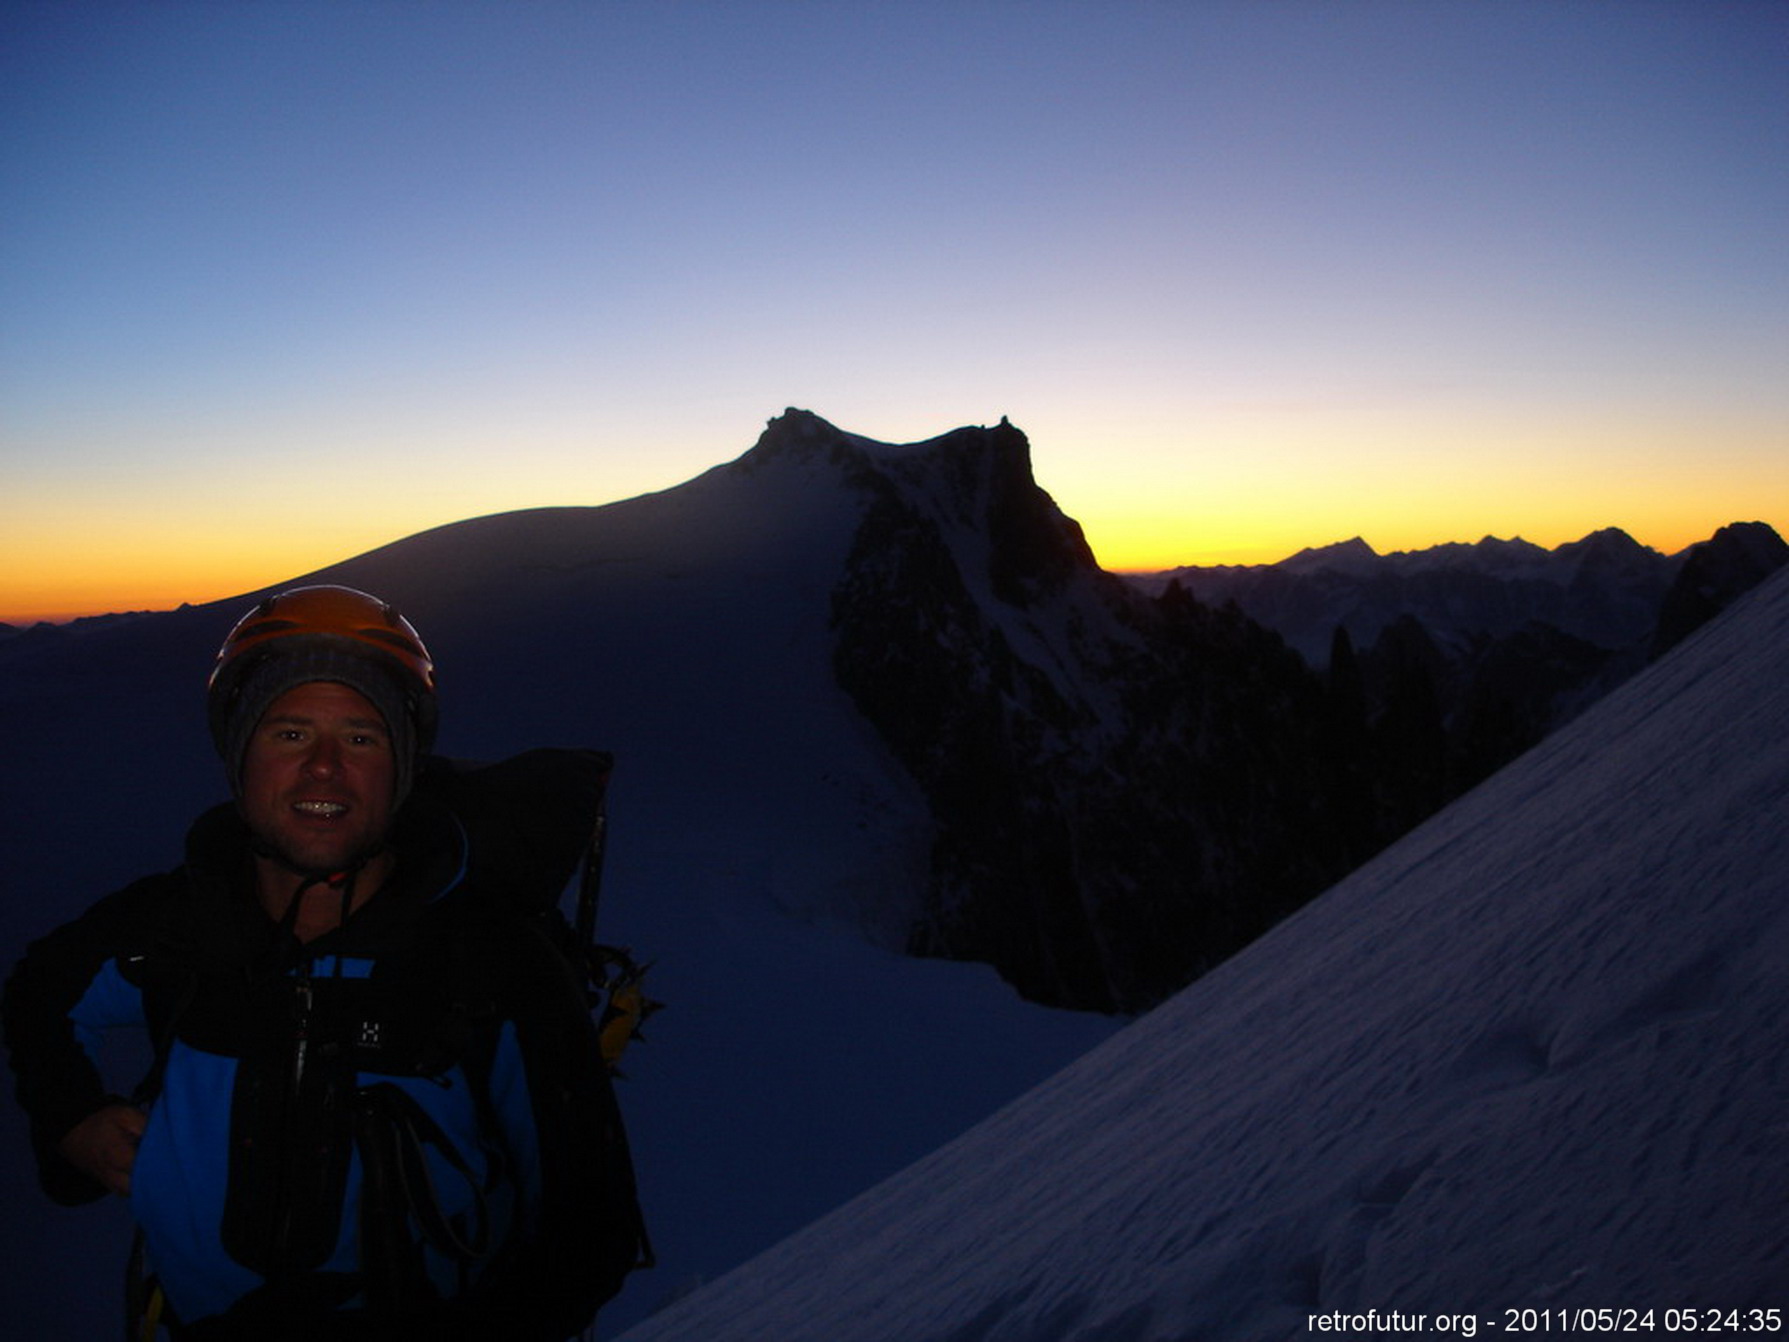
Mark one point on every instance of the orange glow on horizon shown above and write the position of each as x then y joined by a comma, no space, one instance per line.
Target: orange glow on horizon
48,581
115,584
1165,505
1127,555
110,595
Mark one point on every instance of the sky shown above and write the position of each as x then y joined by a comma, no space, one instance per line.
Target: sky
282,282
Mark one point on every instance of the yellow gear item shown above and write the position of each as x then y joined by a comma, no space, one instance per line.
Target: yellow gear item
152,1314
627,1005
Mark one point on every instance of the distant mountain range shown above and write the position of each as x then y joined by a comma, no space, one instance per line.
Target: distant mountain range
1445,664
1606,589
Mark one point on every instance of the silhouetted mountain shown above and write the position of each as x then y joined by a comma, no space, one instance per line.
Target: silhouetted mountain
1124,790
766,849
1714,573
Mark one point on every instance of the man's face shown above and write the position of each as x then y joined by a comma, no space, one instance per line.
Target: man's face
318,775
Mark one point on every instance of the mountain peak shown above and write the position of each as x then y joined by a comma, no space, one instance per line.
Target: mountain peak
1609,538
1758,541
1349,555
1715,573
1515,545
798,423
975,456
795,435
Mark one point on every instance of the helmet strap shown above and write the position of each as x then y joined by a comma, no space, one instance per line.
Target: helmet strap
341,879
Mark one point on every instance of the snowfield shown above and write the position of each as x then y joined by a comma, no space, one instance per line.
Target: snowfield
1530,1058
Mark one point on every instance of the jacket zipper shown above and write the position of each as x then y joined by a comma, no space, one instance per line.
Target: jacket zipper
302,1033
304,999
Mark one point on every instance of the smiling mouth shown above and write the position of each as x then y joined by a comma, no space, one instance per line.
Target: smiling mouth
326,810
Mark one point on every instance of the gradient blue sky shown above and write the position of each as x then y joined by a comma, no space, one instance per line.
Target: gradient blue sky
282,282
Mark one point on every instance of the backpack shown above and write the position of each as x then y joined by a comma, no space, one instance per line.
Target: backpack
534,822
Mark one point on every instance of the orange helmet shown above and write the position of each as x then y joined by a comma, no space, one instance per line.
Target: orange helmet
324,633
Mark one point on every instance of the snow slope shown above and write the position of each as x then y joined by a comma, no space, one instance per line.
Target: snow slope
754,816
1533,1056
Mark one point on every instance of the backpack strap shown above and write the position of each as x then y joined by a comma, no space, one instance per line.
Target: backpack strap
391,1131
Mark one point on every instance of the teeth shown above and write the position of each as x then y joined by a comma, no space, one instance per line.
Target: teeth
322,808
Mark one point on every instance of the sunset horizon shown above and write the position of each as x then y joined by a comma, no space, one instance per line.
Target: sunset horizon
189,580
281,284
